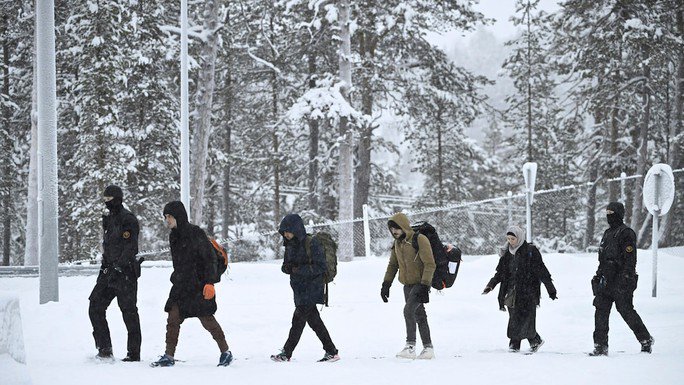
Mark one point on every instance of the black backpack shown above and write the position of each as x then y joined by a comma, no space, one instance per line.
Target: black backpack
443,278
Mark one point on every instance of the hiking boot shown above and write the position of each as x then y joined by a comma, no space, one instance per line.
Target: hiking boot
428,353
330,357
409,352
647,345
225,359
105,354
131,357
599,350
535,345
280,357
164,361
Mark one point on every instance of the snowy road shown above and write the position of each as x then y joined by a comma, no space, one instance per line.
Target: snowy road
255,308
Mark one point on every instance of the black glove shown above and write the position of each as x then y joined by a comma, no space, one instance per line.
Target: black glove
552,295
384,292
286,268
486,290
423,293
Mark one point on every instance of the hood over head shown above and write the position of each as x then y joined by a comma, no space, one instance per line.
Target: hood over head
293,223
177,210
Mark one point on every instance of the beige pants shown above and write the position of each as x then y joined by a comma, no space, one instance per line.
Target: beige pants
174,322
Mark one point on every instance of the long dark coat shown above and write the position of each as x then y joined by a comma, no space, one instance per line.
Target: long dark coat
306,272
194,265
527,276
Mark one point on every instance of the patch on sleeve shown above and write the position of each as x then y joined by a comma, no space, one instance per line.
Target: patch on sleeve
126,234
629,249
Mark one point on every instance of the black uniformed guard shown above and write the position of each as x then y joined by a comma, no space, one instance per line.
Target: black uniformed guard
616,280
118,276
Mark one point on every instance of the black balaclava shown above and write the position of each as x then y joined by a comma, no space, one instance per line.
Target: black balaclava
115,192
616,218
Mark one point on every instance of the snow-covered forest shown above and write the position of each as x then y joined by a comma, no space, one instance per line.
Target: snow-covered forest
589,91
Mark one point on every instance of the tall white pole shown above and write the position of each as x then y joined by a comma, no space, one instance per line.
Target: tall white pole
47,151
185,134
366,230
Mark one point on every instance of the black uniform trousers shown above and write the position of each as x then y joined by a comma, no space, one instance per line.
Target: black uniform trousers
126,292
304,314
623,302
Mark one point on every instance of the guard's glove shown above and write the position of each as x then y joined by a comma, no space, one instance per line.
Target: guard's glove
286,268
384,292
423,293
486,290
209,291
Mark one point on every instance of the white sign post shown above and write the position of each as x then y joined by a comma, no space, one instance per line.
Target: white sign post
530,174
659,192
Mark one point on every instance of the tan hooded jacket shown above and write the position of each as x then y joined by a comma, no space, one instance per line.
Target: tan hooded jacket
414,267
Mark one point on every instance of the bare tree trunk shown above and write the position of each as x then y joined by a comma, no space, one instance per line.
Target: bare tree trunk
226,215
614,188
313,140
642,154
345,171
676,129
7,154
591,193
276,144
368,41
204,103
440,158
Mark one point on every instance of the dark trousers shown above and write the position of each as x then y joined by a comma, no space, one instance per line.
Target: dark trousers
522,324
308,314
414,314
623,302
126,293
173,324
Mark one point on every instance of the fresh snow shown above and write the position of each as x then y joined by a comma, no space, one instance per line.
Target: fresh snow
468,330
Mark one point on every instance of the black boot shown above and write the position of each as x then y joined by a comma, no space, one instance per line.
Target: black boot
514,346
647,345
131,357
105,354
599,350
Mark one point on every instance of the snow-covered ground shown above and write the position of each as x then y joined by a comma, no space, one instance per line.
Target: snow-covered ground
468,331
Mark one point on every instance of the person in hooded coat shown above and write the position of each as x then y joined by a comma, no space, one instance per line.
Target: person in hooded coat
416,269
616,280
118,277
521,271
192,291
306,280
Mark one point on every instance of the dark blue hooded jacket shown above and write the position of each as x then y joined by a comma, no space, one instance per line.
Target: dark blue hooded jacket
306,272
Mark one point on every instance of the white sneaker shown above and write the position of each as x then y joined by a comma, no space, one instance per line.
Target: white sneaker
409,352
426,354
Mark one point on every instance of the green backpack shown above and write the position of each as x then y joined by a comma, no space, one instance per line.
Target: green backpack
330,250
